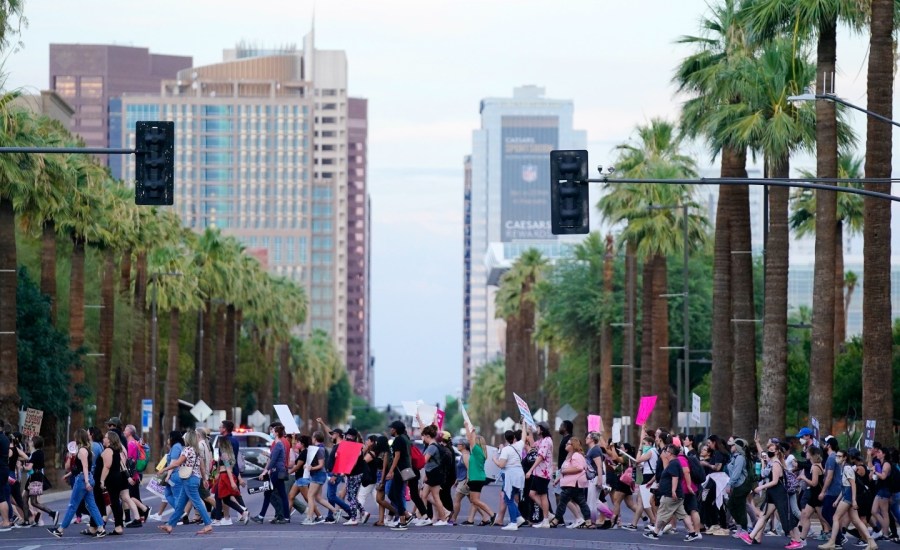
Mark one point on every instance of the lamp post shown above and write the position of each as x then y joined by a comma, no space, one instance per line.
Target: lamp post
154,337
836,99
686,348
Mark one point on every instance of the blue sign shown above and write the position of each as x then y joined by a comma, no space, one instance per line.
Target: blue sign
146,415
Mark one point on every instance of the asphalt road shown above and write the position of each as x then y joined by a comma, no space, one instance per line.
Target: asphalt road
324,537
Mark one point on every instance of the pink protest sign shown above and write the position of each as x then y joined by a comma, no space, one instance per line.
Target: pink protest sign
439,419
644,409
347,454
595,423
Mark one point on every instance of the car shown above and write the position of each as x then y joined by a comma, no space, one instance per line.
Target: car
248,439
254,449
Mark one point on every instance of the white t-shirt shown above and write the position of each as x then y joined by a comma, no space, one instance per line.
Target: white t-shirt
790,462
849,474
649,466
512,454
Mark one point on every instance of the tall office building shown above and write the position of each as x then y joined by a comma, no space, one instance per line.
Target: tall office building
263,151
508,206
88,75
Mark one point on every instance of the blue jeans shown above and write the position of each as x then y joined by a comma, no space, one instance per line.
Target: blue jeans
511,504
190,489
395,488
333,498
895,506
173,491
78,494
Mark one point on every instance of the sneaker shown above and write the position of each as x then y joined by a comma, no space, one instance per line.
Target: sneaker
245,518
134,523
281,521
575,524
308,521
225,521
861,544
824,535
440,523
365,518
649,527
795,545
257,519
651,535
423,522
771,533
330,520
746,538
392,523
100,533
510,527
542,525
519,521
468,523
737,533
691,537
668,529
320,520
827,546
406,522
400,527
216,523
351,522
630,527
55,531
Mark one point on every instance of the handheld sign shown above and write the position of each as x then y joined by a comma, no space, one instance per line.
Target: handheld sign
524,410
869,438
645,409
346,457
466,420
33,420
287,419
594,423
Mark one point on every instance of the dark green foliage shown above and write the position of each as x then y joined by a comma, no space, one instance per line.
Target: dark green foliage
43,352
367,418
339,396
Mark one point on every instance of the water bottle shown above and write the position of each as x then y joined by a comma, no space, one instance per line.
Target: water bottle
758,468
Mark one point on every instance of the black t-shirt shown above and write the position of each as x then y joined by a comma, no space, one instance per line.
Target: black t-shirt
37,460
329,462
4,451
561,453
401,445
718,457
673,470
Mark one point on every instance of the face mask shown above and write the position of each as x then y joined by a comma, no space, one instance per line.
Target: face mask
771,454
803,441
272,434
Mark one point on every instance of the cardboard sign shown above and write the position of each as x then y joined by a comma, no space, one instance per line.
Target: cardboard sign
695,408
346,457
595,423
466,420
617,430
645,409
428,414
524,411
287,418
32,425
439,419
869,437
815,428
491,470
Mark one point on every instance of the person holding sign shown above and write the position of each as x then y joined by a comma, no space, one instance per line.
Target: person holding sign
477,479
510,461
434,476
848,460
541,472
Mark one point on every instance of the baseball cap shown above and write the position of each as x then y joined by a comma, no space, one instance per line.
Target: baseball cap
447,435
337,431
352,432
114,421
804,432
827,438
737,441
397,425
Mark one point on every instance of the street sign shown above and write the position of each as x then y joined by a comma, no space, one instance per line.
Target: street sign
257,419
146,415
566,412
201,411
540,415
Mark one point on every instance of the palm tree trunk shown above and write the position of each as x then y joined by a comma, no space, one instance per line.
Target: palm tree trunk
720,390
107,322
877,373
125,274
662,414
773,397
76,329
594,345
821,372
9,369
140,374
840,315
48,265
647,304
514,371
204,366
531,363
170,408
628,374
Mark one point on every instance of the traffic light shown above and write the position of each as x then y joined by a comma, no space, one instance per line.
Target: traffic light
569,206
155,166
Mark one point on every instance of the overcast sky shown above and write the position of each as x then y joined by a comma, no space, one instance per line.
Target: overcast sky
424,67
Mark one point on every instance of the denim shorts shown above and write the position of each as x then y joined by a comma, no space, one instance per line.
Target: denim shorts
302,482
883,493
319,477
847,494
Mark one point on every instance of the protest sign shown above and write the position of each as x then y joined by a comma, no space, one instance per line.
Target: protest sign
426,413
439,419
466,420
32,425
869,437
695,408
346,457
287,419
815,428
594,423
491,470
524,410
645,409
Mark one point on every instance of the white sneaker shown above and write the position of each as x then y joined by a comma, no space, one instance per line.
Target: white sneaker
542,525
575,524
668,528
245,518
519,521
351,522
155,517
308,521
216,523
392,523
440,523
226,521
510,527
423,522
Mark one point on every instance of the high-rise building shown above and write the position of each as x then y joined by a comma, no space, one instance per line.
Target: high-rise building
263,151
88,75
508,206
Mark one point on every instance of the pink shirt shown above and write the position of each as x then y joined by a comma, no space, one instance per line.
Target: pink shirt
545,451
683,461
575,460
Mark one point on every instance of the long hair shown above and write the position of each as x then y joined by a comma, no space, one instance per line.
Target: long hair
576,445
81,438
191,440
114,442
226,451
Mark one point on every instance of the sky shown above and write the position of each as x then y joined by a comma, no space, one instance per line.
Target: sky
424,66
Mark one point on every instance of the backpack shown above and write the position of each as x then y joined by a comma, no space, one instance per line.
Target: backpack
416,457
698,474
894,480
791,481
448,463
590,470
142,451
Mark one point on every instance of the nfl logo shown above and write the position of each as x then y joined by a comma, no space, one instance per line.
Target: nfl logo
529,173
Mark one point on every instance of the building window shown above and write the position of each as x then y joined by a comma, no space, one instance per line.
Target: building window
65,86
91,86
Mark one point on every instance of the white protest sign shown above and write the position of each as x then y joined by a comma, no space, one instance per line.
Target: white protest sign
491,470
426,413
466,420
695,408
617,430
32,425
287,418
524,410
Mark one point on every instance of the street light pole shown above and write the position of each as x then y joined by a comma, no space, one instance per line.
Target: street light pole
836,99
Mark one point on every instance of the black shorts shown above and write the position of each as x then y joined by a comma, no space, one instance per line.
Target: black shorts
434,478
476,486
539,485
691,503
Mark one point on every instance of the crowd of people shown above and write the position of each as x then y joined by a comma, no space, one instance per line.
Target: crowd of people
715,486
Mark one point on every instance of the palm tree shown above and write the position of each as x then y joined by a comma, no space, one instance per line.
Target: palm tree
849,221
877,339
714,78
657,155
515,303
606,344
804,18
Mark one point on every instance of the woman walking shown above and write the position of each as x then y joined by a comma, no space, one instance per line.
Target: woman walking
354,481
848,460
540,474
35,464
510,462
82,487
776,501
227,487
190,470
574,486
477,478
113,477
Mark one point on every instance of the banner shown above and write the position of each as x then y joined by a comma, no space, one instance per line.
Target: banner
524,410
645,409
491,470
524,174
869,437
439,419
594,423
32,425
345,459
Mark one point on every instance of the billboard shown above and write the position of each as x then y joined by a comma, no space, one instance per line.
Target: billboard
524,176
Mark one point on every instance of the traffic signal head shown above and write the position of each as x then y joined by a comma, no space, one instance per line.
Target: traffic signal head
569,206
155,165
